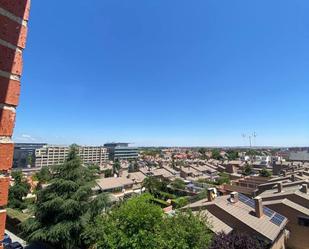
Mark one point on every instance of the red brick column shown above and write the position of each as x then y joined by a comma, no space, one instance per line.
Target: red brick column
14,16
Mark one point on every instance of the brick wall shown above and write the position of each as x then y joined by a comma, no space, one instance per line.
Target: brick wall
14,15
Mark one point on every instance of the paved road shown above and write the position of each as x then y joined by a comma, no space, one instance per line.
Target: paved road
16,238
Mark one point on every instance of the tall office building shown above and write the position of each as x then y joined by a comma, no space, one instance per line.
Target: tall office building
121,151
24,154
54,155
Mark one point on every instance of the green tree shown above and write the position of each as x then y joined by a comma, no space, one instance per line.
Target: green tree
178,184
155,186
203,151
248,170
44,175
265,173
108,173
133,167
140,224
223,178
65,205
232,155
29,160
132,225
116,166
215,154
185,230
18,191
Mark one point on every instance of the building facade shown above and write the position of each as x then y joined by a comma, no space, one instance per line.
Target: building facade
121,151
24,154
50,155
14,17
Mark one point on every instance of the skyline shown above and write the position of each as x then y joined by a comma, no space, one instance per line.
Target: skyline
166,74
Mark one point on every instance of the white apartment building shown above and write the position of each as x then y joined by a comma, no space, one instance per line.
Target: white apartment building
50,155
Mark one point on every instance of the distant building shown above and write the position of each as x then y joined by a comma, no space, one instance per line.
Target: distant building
121,151
299,156
24,154
50,155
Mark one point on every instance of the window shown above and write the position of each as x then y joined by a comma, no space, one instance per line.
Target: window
303,221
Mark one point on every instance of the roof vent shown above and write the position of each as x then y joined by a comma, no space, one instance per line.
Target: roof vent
304,188
211,193
234,197
280,187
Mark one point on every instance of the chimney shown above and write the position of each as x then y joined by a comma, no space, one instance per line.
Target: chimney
293,178
210,194
279,185
258,206
234,197
304,188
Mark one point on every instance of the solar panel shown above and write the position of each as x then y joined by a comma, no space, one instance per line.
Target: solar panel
246,200
243,198
277,219
268,212
250,203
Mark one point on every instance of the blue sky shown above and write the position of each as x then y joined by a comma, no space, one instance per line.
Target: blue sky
166,72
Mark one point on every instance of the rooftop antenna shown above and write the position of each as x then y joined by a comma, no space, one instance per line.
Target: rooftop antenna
254,138
244,137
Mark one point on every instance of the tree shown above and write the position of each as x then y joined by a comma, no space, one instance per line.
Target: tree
184,230
265,173
116,166
132,225
18,191
236,240
248,170
65,205
178,184
44,175
154,186
133,167
140,224
203,151
232,155
29,160
215,154
223,178
108,173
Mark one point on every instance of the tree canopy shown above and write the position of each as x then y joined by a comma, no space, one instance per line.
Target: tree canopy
232,154
140,224
18,191
65,205
265,173
178,183
215,154
247,170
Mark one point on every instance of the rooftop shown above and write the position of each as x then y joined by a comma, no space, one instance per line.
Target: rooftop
113,182
269,225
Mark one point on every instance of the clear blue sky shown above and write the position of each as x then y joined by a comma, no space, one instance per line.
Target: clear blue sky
166,72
